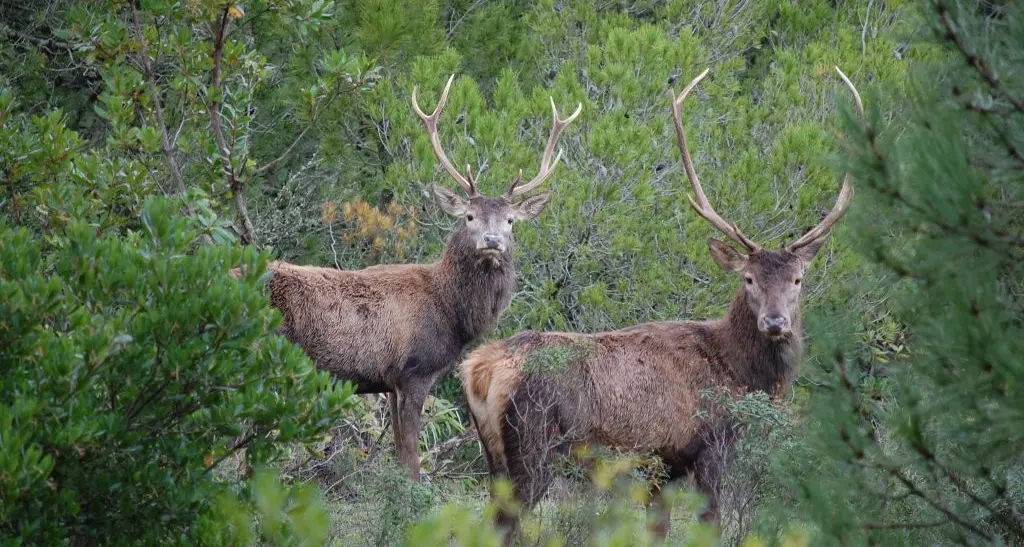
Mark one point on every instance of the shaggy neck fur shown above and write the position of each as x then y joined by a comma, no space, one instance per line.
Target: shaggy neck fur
757,361
480,286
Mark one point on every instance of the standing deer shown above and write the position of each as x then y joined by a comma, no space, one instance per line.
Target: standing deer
396,328
639,388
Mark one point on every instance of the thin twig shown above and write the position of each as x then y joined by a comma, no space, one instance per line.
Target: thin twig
235,447
898,473
902,525
314,118
267,166
334,251
451,444
864,31
374,450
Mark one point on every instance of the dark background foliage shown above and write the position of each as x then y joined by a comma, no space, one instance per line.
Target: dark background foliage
146,147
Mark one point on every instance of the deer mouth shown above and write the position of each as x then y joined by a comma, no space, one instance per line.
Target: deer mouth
778,336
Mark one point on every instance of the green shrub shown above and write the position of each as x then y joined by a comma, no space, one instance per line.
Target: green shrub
130,362
269,513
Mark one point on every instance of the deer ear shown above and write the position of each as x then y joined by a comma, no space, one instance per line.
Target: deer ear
530,207
807,251
728,258
450,202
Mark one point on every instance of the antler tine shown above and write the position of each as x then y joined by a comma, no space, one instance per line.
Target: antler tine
845,194
430,123
701,205
547,167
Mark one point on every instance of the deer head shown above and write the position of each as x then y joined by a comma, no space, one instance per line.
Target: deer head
772,278
489,220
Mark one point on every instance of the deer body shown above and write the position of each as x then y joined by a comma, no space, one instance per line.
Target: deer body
393,326
396,328
639,388
636,389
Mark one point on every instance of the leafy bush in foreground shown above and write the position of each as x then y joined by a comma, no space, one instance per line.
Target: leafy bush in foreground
129,365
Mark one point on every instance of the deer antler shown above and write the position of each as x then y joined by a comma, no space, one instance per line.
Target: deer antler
845,194
547,167
702,206
430,123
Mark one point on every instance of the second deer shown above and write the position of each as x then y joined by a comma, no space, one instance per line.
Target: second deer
639,388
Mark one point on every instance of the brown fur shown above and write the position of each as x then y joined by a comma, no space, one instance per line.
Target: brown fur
636,388
396,328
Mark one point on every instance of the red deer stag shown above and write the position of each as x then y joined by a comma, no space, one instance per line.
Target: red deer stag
639,388
396,328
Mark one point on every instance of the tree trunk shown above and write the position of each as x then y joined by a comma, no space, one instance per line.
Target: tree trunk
247,232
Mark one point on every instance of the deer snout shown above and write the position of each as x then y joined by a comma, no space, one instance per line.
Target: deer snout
774,324
492,242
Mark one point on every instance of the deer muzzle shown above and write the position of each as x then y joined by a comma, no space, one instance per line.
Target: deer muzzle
774,324
491,243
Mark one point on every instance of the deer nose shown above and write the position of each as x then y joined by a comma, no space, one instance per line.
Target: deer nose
774,324
493,241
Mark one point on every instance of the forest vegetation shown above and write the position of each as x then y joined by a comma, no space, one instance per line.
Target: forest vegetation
149,147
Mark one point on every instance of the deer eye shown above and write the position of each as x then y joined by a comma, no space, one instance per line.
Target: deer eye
796,281
749,280
469,218
510,220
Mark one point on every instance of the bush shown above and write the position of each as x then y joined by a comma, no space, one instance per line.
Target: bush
269,513
130,363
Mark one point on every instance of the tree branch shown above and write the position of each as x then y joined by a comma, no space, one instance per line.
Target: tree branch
978,63
235,184
314,118
158,109
902,525
15,209
267,166
235,447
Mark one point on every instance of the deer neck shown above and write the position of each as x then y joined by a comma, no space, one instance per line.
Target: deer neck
758,361
478,288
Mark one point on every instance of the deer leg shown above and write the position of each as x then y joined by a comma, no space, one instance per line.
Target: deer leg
533,438
410,408
709,466
396,426
659,513
679,465
659,510
707,474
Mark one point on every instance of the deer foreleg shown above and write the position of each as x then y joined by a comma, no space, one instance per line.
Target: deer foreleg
407,433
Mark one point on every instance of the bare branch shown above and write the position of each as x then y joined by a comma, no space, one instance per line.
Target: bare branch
902,525
312,122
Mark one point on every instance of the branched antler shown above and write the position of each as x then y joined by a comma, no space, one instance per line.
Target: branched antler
845,194
430,123
547,167
701,205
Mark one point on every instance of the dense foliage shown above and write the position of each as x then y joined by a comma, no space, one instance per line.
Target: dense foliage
928,449
133,364
128,372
